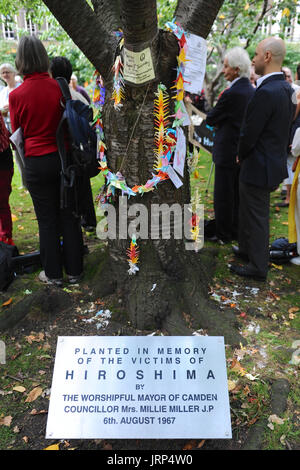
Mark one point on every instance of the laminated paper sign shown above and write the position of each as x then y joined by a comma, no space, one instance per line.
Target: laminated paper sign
196,63
138,66
179,156
143,387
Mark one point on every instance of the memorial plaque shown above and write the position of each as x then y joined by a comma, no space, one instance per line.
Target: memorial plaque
138,67
139,387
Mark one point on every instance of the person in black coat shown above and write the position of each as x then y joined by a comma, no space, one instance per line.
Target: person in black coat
262,155
227,117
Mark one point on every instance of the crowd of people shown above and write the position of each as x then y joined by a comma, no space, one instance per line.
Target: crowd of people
255,121
35,106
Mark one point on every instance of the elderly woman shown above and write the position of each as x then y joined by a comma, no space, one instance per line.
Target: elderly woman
8,75
227,117
35,106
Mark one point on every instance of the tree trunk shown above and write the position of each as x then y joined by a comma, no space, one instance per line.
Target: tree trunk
171,282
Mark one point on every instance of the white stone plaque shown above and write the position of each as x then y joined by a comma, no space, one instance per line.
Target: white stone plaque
137,387
2,353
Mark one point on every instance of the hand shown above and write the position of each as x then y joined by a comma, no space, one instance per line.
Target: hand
5,110
237,159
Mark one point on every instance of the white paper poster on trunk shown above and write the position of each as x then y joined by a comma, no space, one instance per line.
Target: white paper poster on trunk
195,65
141,387
180,152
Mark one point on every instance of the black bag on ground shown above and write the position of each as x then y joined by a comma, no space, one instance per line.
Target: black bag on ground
7,273
209,228
80,163
281,251
26,264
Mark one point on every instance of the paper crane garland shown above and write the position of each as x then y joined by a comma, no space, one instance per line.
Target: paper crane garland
165,137
133,256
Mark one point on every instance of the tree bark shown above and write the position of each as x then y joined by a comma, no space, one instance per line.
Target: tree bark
87,31
171,282
139,20
108,12
197,16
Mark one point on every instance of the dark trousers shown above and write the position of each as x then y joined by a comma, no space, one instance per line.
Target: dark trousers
5,213
254,226
226,202
55,225
88,218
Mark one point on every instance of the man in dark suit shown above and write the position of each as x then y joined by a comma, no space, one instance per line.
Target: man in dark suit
262,155
227,117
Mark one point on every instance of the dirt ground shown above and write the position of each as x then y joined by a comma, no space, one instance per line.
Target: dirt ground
28,426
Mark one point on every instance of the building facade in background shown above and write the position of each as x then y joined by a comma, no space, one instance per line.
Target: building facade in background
12,26
271,26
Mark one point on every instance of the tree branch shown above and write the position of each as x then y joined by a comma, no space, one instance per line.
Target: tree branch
108,12
139,20
87,32
264,11
197,16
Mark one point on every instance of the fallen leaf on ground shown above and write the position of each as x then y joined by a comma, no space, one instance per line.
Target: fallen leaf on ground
6,421
37,338
8,302
275,419
276,266
52,447
231,385
200,444
282,440
35,412
34,394
190,445
251,377
236,367
107,446
19,388
293,309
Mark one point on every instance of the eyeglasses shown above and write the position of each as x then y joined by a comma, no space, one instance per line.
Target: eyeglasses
6,72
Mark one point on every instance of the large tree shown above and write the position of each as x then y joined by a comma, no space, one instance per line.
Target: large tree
171,282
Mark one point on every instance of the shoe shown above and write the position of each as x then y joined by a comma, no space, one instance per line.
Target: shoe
74,279
236,251
46,280
215,239
295,260
244,271
283,204
89,229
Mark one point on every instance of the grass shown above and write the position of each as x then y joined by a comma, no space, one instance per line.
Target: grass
25,226
267,315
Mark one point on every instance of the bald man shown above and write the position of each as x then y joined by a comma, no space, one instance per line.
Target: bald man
262,154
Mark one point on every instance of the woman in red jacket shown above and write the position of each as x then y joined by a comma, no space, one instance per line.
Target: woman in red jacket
35,106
